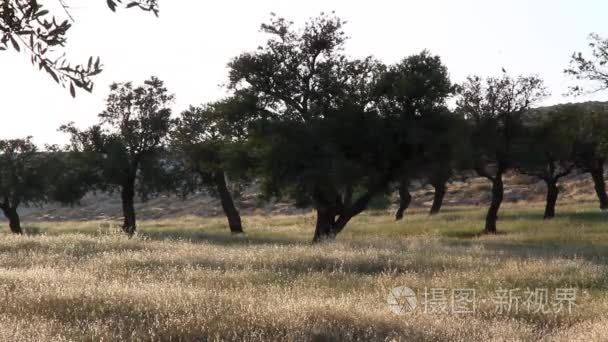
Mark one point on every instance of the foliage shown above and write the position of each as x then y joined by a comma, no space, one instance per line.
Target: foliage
592,68
131,134
22,175
494,109
32,177
27,24
546,149
213,138
417,90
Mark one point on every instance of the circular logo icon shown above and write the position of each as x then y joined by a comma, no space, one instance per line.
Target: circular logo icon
402,300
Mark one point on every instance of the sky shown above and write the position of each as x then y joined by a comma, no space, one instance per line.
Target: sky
192,41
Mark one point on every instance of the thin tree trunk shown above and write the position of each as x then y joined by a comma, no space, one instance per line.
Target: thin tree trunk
14,222
440,189
234,218
405,198
497,196
552,193
128,208
600,187
325,228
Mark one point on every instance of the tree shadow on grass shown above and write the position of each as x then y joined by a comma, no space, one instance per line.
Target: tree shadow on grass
589,216
586,216
217,238
462,234
549,250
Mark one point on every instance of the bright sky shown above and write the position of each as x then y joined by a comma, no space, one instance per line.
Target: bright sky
189,45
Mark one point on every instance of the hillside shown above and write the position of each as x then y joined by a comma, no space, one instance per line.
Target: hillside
472,192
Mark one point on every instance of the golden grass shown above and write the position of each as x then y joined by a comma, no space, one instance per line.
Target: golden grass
188,279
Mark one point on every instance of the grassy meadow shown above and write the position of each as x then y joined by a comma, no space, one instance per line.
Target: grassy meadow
188,280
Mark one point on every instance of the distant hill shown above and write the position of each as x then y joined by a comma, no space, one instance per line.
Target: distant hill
474,191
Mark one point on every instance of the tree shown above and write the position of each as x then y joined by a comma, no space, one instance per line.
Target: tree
494,110
417,89
589,156
590,150
445,153
211,143
27,24
32,177
405,197
591,69
322,140
20,178
128,144
546,149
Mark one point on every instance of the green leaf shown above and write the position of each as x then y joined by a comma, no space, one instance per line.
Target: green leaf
112,5
51,72
42,13
15,44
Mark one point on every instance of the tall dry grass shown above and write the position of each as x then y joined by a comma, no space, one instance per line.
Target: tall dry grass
189,280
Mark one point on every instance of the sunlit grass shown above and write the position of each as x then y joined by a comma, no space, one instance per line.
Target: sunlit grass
189,279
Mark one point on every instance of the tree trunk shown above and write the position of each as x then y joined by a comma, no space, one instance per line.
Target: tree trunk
600,187
552,193
333,216
128,208
14,222
440,189
325,229
405,198
234,218
497,196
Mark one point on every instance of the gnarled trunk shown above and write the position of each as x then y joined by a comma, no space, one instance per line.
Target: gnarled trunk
600,187
440,189
333,215
552,193
497,196
128,208
232,214
405,198
325,229
14,222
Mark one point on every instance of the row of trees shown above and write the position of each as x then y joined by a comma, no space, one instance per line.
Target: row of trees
322,129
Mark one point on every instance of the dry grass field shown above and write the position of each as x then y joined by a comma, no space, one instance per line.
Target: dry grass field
189,280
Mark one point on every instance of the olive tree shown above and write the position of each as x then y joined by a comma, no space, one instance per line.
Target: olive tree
546,149
210,141
323,140
129,143
417,89
494,109
590,148
29,176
